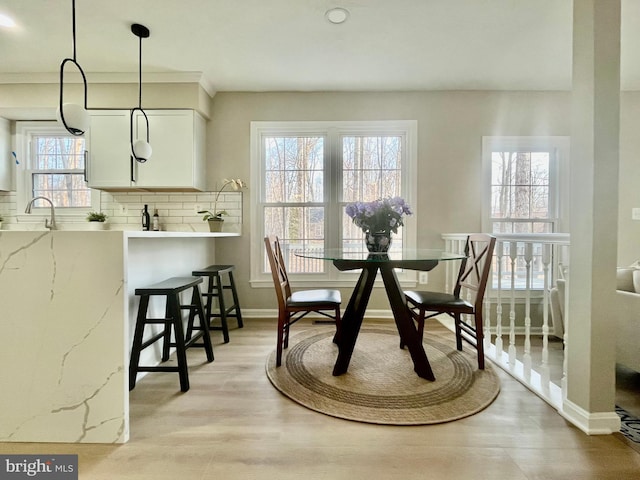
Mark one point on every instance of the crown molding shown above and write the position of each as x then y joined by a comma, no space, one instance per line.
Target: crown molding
111,77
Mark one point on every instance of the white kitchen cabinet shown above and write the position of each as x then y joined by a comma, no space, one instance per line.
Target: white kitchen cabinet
177,138
178,159
109,162
5,156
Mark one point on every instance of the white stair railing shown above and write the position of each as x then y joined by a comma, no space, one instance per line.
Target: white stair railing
524,269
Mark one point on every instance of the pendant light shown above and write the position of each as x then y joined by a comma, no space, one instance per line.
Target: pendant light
75,118
140,149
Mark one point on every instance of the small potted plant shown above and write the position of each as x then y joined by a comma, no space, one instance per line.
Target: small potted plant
214,217
96,220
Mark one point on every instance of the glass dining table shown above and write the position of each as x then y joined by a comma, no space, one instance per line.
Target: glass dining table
370,263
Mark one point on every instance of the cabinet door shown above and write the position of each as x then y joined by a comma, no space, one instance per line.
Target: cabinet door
109,151
172,138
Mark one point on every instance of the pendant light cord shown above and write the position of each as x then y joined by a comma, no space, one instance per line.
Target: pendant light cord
72,129
140,76
73,28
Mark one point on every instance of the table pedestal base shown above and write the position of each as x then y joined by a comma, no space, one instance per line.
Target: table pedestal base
353,315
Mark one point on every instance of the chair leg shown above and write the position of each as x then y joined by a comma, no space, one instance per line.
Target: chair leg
281,327
458,331
287,327
336,337
479,341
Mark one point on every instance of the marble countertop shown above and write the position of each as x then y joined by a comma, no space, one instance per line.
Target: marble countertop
135,233
165,234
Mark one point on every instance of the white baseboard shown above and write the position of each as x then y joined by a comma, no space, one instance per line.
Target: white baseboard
599,423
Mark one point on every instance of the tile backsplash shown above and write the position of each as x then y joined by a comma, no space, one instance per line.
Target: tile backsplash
177,210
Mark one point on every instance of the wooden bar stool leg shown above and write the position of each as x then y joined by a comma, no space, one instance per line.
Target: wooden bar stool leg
181,353
223,309
137,341
236,302
209,304
166,342
196,299
192,313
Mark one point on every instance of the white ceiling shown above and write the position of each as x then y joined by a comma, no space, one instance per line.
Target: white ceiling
262,45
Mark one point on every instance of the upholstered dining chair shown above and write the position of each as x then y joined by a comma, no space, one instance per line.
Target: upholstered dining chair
294,306
472,276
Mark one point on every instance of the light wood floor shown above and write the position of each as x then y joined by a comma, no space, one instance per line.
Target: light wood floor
233,424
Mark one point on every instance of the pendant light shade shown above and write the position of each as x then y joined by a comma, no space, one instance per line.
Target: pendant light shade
75,118
140,149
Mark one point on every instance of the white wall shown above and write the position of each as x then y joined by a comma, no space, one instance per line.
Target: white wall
450,130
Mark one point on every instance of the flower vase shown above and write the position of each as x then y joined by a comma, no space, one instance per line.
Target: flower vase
377,241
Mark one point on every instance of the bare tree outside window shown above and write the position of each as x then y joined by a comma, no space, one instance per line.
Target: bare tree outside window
295,207
294,195
520,192
520,203
371,169
58,171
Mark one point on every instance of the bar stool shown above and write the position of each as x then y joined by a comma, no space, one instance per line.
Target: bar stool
170,289
216,289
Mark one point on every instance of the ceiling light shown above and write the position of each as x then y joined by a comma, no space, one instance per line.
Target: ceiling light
75,118
337,15
140,149
6,21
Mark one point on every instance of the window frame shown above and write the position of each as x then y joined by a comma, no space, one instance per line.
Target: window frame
558,147
25,131
332,131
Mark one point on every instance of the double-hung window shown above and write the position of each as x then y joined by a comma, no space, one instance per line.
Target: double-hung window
305,173
51,164
524,194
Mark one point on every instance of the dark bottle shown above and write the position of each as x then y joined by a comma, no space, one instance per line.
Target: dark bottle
145,218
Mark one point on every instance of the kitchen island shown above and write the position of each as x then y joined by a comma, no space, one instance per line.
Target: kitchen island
68,307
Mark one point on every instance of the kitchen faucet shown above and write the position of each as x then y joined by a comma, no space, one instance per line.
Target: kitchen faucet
51,225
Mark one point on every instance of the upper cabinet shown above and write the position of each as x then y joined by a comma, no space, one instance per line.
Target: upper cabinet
108,162
5,156
177,138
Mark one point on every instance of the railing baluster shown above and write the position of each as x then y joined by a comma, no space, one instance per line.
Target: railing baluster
567,322
513,255
500,255
544,367
526,360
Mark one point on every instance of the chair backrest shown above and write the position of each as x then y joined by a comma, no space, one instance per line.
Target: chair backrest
278,270
474,270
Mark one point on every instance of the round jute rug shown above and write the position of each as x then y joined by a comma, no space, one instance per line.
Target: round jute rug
380,386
